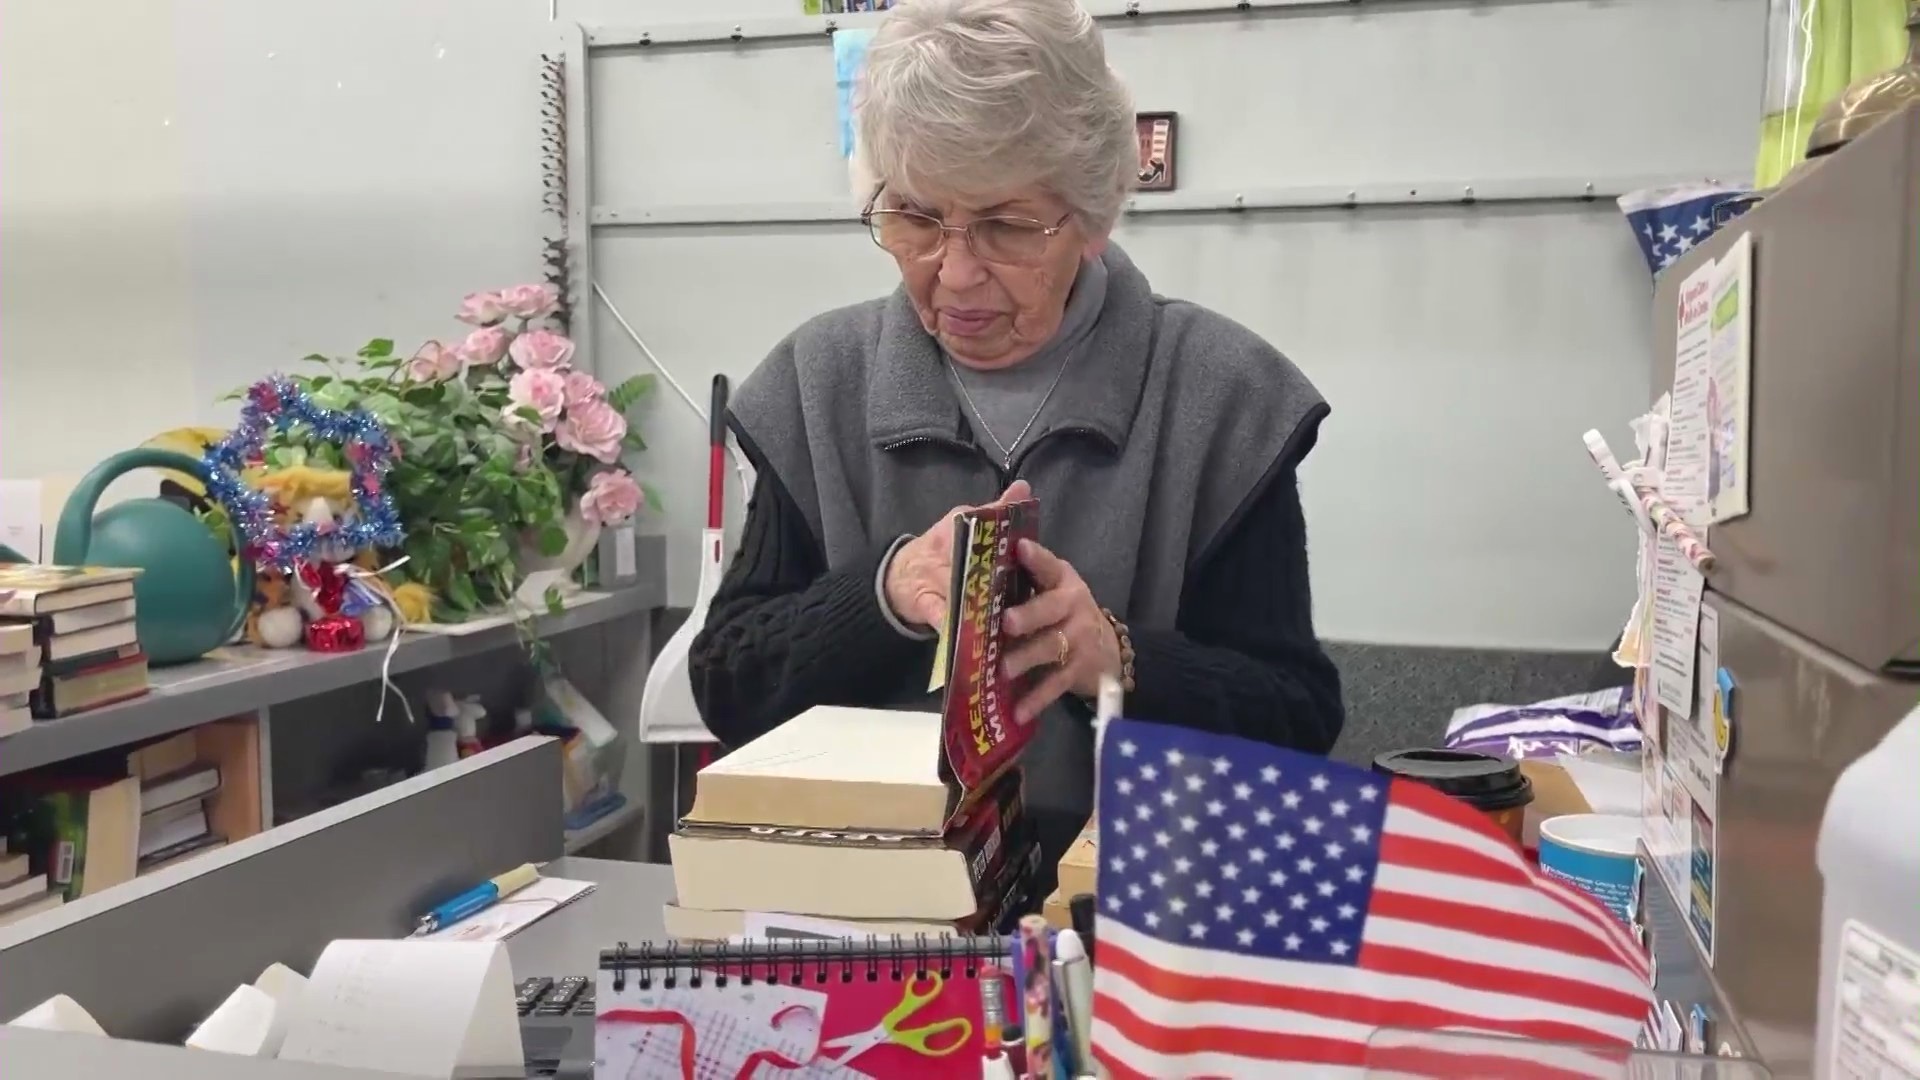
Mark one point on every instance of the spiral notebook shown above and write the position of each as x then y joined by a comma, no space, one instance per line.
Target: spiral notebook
878,1007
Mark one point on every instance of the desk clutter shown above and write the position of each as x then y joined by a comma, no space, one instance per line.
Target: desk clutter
68,642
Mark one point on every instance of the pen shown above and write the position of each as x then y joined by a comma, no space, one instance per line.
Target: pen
1036,997
1081,910
1076,983
478,899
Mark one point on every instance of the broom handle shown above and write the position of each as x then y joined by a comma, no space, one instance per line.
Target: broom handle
717,454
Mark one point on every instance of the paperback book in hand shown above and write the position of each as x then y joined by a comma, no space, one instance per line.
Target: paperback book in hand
979,736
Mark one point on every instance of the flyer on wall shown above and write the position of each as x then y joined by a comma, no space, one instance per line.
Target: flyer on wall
1729,388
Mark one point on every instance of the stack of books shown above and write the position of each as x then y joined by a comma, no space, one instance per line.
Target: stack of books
19,677
844,814
23,893
81,617
173,816
80,821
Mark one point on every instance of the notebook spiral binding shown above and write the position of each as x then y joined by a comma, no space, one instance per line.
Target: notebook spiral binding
798,961
556,259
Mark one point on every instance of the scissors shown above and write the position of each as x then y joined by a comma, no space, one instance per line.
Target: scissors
950,1034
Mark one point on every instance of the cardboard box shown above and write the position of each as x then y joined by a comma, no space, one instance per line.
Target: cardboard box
1589,784
1080,866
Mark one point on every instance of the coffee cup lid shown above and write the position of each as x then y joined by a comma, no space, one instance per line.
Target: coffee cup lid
1483,781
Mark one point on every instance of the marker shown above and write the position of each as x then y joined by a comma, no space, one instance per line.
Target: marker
478,899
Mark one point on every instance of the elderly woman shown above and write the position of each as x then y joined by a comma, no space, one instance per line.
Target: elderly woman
1023,352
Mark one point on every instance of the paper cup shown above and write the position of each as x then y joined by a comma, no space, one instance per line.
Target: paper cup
1594,853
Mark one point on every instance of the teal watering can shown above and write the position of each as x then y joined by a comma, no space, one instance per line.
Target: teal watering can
190,598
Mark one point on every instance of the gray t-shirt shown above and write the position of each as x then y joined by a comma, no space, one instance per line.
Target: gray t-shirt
1006,403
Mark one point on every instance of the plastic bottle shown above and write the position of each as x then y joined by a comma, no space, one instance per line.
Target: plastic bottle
442,743
1870,913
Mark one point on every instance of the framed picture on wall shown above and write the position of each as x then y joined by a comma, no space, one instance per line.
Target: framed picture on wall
1157,132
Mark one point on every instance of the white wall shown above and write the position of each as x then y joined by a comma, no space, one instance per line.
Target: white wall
221,186
1464,350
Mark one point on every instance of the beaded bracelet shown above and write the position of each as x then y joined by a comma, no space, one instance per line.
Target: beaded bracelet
1126,649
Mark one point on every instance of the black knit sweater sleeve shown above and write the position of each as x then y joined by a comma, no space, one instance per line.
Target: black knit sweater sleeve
1242,658
784,633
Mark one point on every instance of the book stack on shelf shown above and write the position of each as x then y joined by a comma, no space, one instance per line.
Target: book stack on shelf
842,814
19,677
81,620
23,893
94,822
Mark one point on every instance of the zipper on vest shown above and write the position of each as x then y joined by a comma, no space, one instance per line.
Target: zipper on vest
1007,476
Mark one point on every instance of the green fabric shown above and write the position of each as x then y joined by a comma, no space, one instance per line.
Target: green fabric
1847,40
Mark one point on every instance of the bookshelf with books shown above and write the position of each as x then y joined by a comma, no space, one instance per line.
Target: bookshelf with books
67,635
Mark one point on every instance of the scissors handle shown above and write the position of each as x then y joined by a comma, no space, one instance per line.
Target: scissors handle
937,1039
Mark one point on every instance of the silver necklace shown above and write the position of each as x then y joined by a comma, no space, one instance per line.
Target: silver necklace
1007,449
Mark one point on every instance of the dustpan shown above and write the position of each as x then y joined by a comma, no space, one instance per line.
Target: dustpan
667,710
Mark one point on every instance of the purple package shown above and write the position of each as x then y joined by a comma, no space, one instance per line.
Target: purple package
1577,724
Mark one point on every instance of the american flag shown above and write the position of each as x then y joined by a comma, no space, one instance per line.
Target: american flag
1261,908
1669,222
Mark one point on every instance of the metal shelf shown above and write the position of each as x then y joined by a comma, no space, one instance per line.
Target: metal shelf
820,28
244,679
578,840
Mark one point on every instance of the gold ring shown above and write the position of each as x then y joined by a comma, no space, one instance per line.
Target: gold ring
1066,649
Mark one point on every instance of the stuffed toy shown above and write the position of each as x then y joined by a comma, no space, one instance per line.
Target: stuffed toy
307,493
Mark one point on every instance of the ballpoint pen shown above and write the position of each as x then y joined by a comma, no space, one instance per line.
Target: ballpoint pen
478,899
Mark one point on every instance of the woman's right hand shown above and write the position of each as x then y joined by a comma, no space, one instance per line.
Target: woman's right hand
921,573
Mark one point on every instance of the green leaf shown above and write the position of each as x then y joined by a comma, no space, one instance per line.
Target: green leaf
528,413
652,495
461,594
316,358
552,539
377,349
633,441
623,396
554,606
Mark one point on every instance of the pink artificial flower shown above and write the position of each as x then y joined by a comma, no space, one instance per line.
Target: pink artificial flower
433,363
612,497
481,309
530,301
582,388
593,429
542,349
543,391
485,346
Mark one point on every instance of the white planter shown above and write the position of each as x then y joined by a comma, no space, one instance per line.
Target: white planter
542,572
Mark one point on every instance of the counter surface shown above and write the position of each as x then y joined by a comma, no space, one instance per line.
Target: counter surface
624,906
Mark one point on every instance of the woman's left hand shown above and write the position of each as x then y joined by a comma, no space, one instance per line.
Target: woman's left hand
1060,630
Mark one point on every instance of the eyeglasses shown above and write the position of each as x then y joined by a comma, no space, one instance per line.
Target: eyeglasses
907,234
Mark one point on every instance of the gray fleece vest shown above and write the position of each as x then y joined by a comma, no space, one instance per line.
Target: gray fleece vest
1163,425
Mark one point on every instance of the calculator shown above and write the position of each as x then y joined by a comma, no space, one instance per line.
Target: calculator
556,1026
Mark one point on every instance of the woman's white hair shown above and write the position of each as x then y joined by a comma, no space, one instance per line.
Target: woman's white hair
968,97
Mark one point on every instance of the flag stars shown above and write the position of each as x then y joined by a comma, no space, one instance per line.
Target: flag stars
1128,748
1313,825
1120,825
1334,849
1209,848
1249,895
1290,800
1123,785
1346,911
1271,918
1168,798
1669,233
1143,811
1324,888
1257,855
1263,817
1230,872
1161,839
1236,831
1134,891
1284,841
1270,775
1197,930
1339,948
1139,851
1355,874
1176,905
1243,791
1148,772
1276,877
1318,924
1195,782
1700,227
1360,833
1305,864
1152,919
1204,890
1340,807
1158,879
1114,903
1298,901
1189,823
1175,758
1117,863
1369,793
1223,913
1318,783
1215,808
1182,866
1244,937
1293,942
1221,766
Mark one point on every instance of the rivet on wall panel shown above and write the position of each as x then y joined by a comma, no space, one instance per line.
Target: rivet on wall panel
1133,9
737,32
831,27
646,38
1589,190
1466,196
1353,199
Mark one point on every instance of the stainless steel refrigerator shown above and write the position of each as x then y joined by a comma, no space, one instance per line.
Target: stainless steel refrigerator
1817,589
